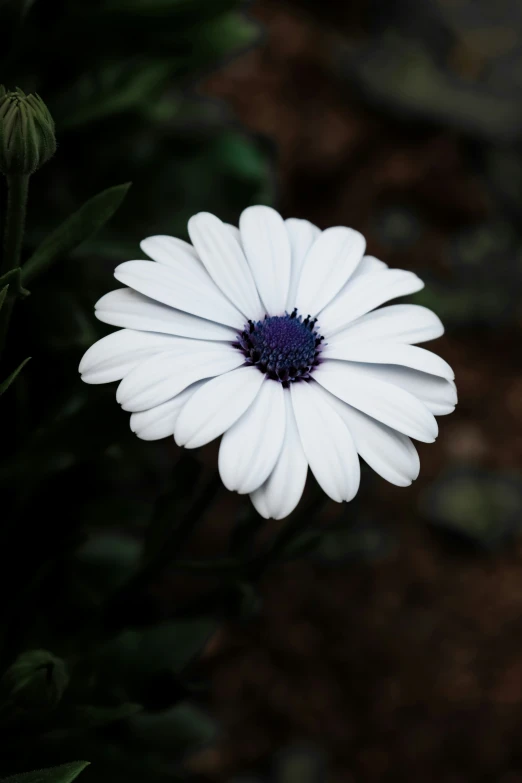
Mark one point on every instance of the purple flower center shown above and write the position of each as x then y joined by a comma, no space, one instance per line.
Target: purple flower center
284,347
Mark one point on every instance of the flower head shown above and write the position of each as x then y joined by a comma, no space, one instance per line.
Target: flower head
273,336
36,679
27,139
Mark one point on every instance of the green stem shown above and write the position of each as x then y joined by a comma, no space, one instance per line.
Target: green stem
5,317
291,530
18,188
169,552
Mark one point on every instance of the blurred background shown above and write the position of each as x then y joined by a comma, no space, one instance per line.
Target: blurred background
385,643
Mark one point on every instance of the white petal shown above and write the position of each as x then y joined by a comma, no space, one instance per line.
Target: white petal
438,394
112,357
172,252
282,490
367,265
250,448
302,235
190,290
329,263
165,375
234,230
225,262
365,293
125,307
389,353
267,248
403,323
159,422
327,442
384,401
217,406
391,454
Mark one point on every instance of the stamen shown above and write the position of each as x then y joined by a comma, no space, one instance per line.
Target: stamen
286,347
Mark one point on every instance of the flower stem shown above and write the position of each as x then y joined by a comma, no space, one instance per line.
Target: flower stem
18,188
286,535
118,605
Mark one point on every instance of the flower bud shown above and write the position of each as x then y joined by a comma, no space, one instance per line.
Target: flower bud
27,137
36,680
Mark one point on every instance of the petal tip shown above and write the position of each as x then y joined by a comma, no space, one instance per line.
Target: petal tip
144,243
201,217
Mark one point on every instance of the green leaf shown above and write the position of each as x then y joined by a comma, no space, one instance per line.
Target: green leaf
65,773
82,225
26,7
3,294
107,560
135,656
244,601
117,89
187,640
14,276
359,541
477,508
299,764
303,544
183,728
8,381
225,34
90,716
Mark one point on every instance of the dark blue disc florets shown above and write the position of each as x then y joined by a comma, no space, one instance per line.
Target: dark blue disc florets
285,347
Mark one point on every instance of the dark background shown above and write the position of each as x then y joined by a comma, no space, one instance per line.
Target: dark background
404,120
394,647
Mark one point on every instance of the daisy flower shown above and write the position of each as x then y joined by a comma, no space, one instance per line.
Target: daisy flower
273,336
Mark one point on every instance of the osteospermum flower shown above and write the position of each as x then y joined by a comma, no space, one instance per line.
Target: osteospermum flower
273,336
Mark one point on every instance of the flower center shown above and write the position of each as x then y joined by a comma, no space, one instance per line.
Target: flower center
285,347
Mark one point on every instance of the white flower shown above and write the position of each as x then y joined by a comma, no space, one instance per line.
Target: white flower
273,336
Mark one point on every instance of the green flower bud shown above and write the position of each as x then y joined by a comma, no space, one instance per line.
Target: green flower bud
36,680
27,137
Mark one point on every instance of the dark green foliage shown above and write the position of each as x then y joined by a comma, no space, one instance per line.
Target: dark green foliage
93,664
86,222
4,385
293,765
65,773
345,542
14,279
475,509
